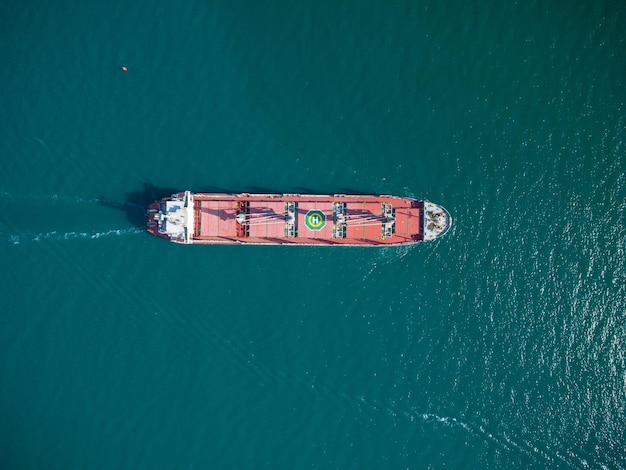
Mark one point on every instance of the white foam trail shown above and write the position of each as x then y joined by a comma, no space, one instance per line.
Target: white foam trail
117,232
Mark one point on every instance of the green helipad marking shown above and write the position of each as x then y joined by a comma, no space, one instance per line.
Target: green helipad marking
315,220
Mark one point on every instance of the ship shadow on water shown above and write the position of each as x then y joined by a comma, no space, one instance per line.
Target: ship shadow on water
136,202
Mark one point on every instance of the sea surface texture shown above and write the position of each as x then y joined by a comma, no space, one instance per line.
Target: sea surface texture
501,345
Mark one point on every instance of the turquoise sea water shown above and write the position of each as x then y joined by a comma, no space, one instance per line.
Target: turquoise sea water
502,345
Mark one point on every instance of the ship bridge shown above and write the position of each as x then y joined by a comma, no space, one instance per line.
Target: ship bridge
175,217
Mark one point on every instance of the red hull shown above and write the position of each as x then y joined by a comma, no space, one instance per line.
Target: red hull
288,219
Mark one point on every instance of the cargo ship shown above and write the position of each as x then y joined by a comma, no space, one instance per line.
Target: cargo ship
296,219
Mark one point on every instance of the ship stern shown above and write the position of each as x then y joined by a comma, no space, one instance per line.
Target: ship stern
172,218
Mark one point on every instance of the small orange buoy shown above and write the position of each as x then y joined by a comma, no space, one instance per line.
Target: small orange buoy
124,68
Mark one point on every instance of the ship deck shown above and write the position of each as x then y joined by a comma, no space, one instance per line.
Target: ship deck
216,219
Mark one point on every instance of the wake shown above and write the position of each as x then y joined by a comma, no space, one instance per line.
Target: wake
34,202
389,255
540,453
502,439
